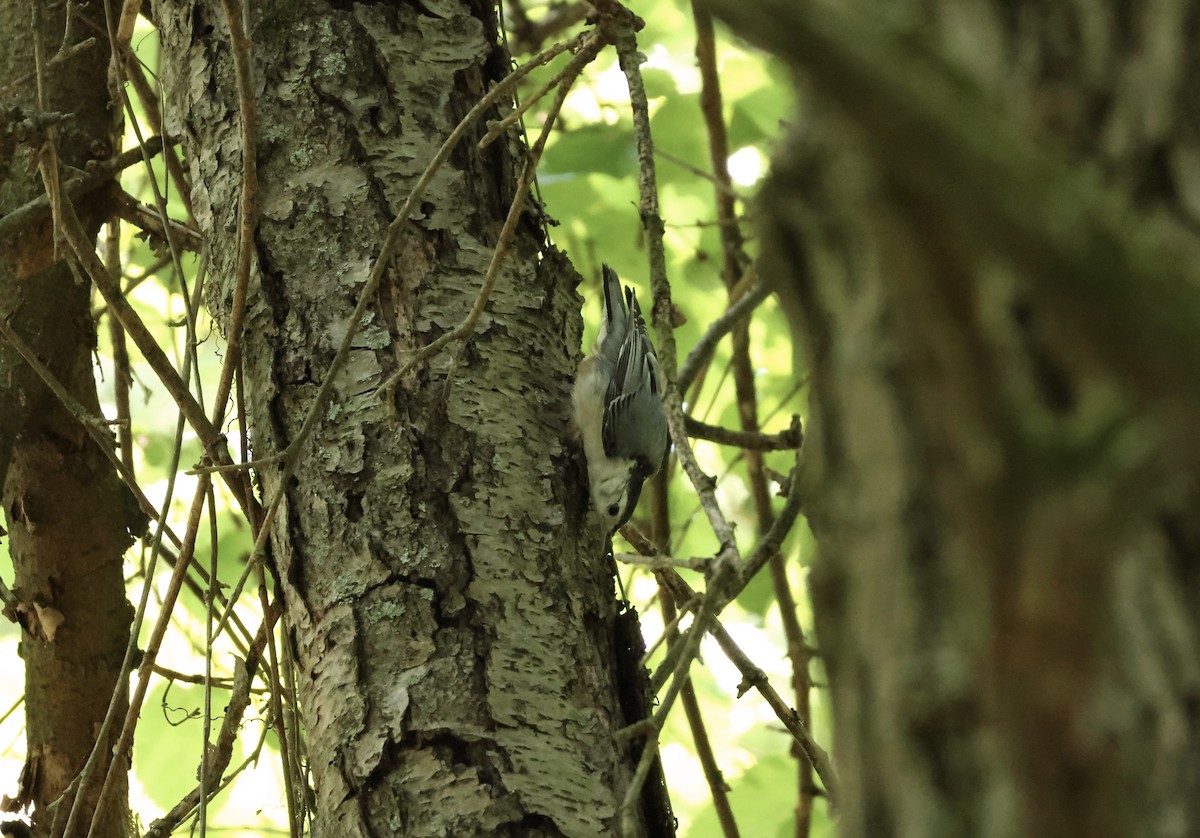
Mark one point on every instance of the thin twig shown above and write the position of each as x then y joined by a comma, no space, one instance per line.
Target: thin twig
122,377
209,607
12,605
769,544
135,73
671,626
242,466
721,185
134,281
148,218
659,562
222,750
39,208
746,440
718,788
290,781
125,741
292,719
187,678
243,69
252,759
630,60
566,75
704,348
754,676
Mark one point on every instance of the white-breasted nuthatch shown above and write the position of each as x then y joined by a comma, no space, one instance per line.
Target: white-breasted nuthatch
618,407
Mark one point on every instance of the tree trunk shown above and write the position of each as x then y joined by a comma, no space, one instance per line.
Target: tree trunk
69,517
1004,494
453,616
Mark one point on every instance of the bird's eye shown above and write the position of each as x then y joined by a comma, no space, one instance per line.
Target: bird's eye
613,510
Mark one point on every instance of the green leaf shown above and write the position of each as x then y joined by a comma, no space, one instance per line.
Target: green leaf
763,801
589,149
758,595
234,544
756,116
659,83
167,752
678,129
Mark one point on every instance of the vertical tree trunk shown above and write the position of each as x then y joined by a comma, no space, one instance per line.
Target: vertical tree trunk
69,517
1006,513
453,618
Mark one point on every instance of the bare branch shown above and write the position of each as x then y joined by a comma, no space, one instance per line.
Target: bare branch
791,438
38,210
703,351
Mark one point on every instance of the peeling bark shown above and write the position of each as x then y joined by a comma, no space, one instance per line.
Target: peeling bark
453,616
69,518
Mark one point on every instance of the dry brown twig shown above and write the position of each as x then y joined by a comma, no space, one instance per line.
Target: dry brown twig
39,208
728,573
529,35
222,750
789,439
713,776
753,676
684,651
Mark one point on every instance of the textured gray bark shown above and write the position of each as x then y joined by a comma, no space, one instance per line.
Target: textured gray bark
68,516
453,619
1006,512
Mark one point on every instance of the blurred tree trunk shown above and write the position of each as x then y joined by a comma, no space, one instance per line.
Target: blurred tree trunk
454,622
68,516
1002,461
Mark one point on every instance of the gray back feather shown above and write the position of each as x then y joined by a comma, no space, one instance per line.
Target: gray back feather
634,426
